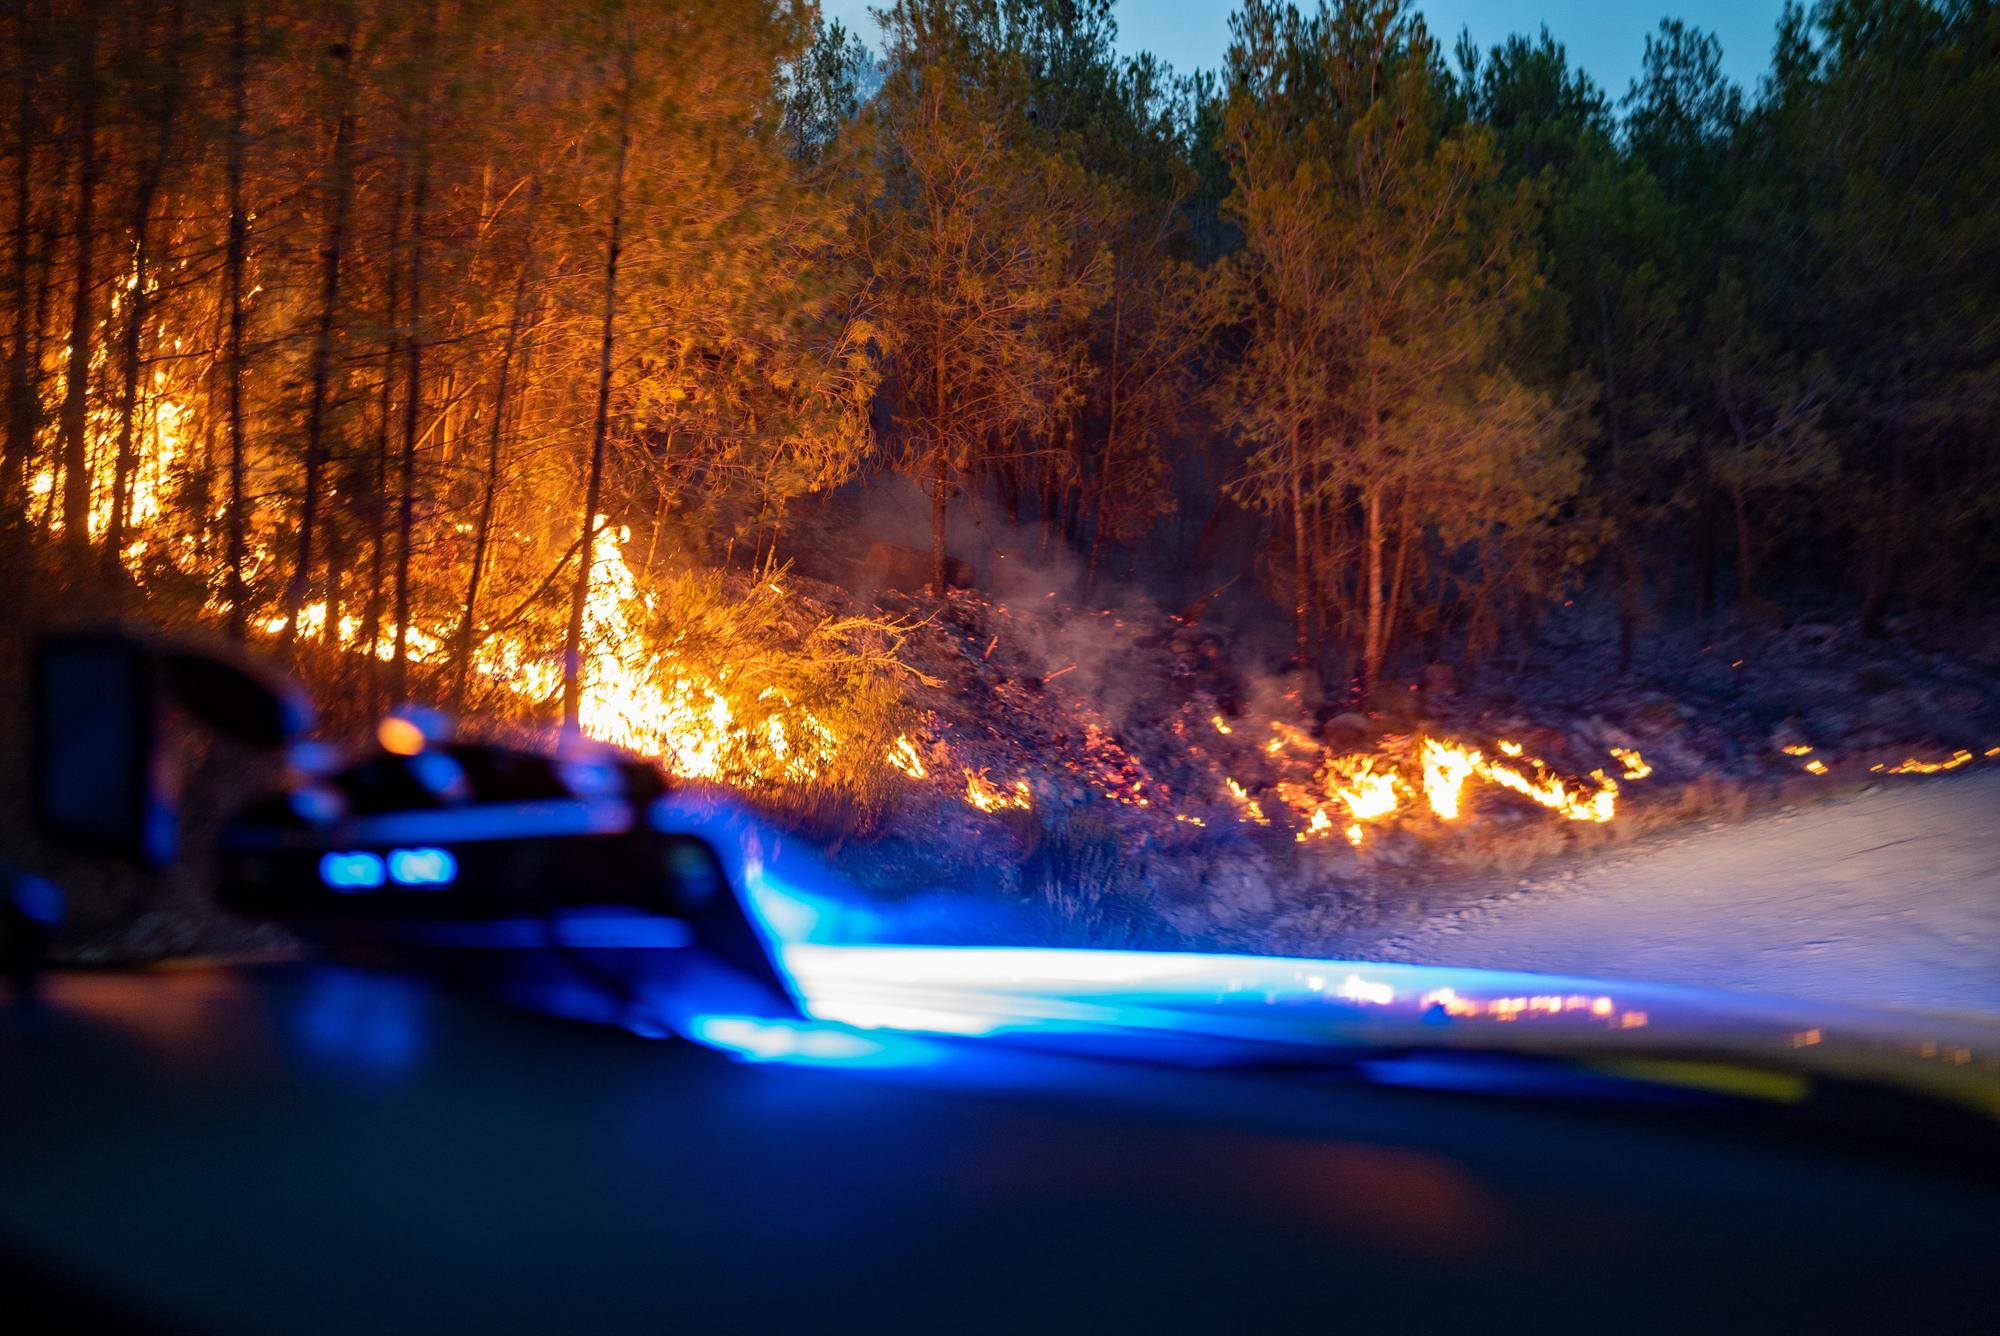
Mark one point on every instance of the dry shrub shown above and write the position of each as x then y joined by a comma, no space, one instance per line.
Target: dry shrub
832,811
1508,850
1708,800
1077,875
835,683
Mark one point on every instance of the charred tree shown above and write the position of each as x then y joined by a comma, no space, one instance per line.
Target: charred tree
378,529
601,426
23,395
413,352
73,443
165,111
490,483
332,255
237,520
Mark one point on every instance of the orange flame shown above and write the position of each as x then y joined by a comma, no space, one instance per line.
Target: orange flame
1251,807
1446,769
903,755
1371,788
1913,766
1635,764
987,796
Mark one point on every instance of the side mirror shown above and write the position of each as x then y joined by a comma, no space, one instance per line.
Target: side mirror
102,781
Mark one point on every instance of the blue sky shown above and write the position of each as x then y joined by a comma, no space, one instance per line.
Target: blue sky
1606,37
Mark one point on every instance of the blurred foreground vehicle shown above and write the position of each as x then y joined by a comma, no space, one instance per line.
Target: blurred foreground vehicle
401,1133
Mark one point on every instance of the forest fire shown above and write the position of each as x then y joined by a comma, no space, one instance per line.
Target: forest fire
1431,774
703,724
373,371
634,694
643,697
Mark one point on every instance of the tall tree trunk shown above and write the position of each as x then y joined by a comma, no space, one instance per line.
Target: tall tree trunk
73,444
1398,570
1101,508
1627,590
1372,540
38,345
413,350
940,455
1373,649
939,483
1301,586
333,249
1703,558
336,580
490,484
378,537
23,406
238,519
1887,536
1746,556
406,465
165,110
601,427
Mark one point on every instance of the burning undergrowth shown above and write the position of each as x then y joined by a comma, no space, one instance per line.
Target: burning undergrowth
1122,774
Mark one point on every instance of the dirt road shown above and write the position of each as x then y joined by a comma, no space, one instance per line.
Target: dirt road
1890,898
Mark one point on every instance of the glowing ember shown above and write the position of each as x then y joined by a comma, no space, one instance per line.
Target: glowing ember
1913,766
987,796
1635,764
1816,766
1251,807
1220,726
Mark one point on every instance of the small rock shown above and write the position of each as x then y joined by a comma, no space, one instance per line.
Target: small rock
1348,732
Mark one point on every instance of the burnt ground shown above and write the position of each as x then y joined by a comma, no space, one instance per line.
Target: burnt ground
1109,715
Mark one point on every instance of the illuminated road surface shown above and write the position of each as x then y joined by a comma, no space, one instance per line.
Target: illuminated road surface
1890,898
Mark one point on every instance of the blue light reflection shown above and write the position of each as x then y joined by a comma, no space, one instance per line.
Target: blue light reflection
760,1040
422,867
838,963
354,871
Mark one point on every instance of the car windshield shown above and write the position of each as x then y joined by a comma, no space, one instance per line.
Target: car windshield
1289,523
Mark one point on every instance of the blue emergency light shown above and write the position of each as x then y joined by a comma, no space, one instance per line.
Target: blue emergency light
359,870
